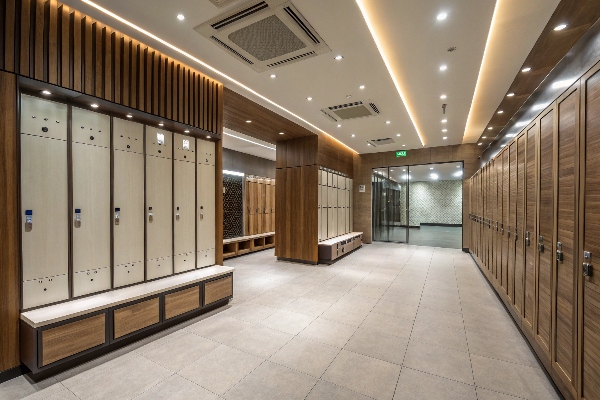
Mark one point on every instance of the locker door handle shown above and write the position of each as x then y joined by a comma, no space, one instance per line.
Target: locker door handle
150,214
587,269
77,221
201,213
540,247
177,214
117,216
28,220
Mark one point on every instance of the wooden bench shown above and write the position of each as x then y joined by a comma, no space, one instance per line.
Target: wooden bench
247,244
60,336
332,249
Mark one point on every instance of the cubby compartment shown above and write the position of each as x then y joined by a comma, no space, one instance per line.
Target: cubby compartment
244,247
229,250
258,243
269,241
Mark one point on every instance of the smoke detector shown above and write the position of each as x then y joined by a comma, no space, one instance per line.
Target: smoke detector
264,34
357,109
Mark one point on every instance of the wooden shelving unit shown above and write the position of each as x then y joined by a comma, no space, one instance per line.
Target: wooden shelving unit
248,244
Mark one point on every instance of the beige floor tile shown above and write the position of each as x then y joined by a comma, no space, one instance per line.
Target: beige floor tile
365,375
88,370
388,324
396,309
253,313
451,338
485,394
328,332
177,388
20,387
328,391
272,381
288,321
260,341
516,351
220,329
124,381
308,307
439,361
54,392
378,345
345,314
324,296
357,302
440,317
423,386
441,304
183,351
513,379
306,356
275,298
373,292
221,369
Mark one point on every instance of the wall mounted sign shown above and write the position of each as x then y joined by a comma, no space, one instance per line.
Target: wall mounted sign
361,188
401,153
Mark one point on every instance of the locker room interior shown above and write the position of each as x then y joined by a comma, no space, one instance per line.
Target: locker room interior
244,199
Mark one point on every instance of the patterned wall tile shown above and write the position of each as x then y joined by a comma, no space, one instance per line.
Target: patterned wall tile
233,206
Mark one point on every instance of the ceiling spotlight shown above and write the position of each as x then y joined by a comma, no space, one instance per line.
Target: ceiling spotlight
398,134
479,144
443,96
388,122
46,92
309,98
511,135
444,130
458,166
442,16
94,105
353,135
443,67
187,131
444,121
458,173
129,116
500,112
430,167
503,146
180,17
361,87
368,144
511,94
490,128
339,57
484,137
161,124
526,69
445,137
391,170
248,121
281,133
339,125
208,137
434,176
273,76
560,27
404,170
403,145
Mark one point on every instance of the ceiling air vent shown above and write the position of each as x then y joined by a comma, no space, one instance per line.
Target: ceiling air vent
222,3
264,34
357,109
380,142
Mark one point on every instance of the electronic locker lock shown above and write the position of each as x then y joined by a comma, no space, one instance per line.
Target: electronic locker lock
587,266
201,213
502,229
28,220
150,214
117,215
527,241
559,253
78,218
177,214
541,244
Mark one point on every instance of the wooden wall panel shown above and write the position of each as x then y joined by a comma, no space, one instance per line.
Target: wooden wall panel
512,215
530,227
48,41
520,230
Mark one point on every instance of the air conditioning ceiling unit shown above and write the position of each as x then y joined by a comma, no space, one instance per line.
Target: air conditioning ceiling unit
380,142
264,34
356,109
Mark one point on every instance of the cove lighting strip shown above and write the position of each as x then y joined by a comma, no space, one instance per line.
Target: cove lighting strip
365,15
249,141
191,57
233,173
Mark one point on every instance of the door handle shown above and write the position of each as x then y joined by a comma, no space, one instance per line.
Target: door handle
117,216
587,269
201,213
78,218
28,220
559,253
150,214
540,247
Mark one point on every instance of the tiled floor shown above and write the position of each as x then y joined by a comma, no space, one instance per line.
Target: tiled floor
389,321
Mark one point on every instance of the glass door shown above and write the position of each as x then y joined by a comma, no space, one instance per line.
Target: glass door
390,204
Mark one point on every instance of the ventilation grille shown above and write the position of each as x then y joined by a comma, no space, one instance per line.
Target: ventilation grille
221,3
265,34
381,142
356,109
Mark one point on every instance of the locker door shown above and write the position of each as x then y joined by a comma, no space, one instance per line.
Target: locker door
324,208
273,205
494,194
351,228
268,207
520,231
530,226
564,350
512,196
505,220
341,212
205,215
44,194
128,201
206,152
500,230
590,240
184,211
319,208
262,196
159,203
91,201
546,229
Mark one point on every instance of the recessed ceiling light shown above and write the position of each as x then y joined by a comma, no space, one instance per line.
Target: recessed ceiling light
430,167
511,135
339,57
458,166
484,137
339,125
248,121
526,69
490,128
161,124
443,67
368,144
442,16
397,134
434,176
187,131
180,17
273,76
388,122
348,96
445,137
403,145
353,135
444,130
443,96
361,87
309,98
391,170
404,170
511,94
503,146
129,116
281,133
500,112
94,105
46,92
560,27
208,137
479,144
444,121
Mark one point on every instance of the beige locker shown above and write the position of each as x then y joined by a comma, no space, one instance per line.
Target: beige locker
332,197
341,222
91,281
347,219
334,222
184,209
206,152
38,292
329,179
324,233
350,196
42,117
205,214
323,175
319,210
127,274
128,194
335,180
342,182
331,222
184,148
159,217
159,143
90,127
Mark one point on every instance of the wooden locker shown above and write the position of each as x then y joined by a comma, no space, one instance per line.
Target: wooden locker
273,205
565,310
262,200
128,202
494,182
324,208
519,224
512,215
44,199
90,151
530,307
545,232
205,186
159,203
268,206
319,209
351,194
184,204
590,239
505,224
251,206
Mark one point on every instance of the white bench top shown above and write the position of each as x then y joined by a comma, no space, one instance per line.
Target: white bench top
338,239
74,308
242,238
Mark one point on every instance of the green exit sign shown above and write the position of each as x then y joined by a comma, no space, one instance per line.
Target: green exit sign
401,153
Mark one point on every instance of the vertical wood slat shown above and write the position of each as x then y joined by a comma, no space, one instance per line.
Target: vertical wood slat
126,71
169,90
180,73
106,64
162,91
116,67
155,74
76,58
148,72
39,41
133,64
97,59
25,38
65,46
142,50
53,42
214,102
201,102
86,46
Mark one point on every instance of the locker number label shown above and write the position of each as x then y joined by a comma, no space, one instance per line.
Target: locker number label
160,138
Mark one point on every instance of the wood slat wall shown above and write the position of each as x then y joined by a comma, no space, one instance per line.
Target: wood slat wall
556,194
51,42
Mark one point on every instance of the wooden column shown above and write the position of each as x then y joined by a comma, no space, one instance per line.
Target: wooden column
9,224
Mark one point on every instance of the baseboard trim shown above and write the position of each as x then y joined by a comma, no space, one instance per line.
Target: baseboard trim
13,373
448,225
296,261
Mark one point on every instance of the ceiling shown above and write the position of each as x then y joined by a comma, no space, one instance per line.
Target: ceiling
247,144
413,41
424,173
